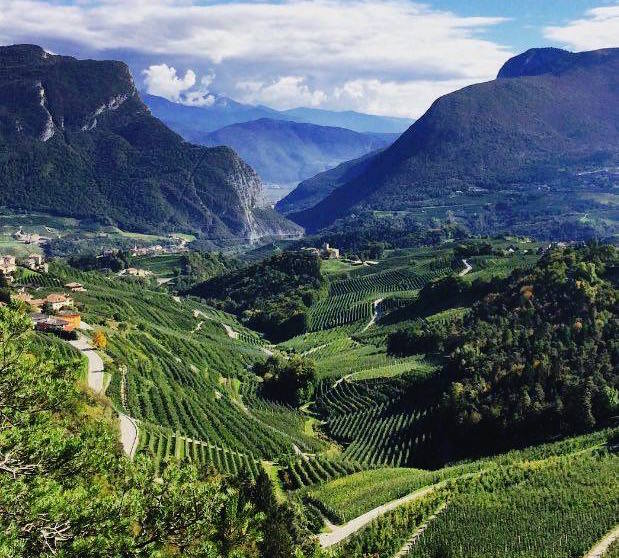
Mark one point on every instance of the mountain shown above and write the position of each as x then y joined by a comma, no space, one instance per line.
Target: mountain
533,151
76,140
311,191
191,120
284,152
352,120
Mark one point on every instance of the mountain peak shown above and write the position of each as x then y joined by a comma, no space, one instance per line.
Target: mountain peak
538,61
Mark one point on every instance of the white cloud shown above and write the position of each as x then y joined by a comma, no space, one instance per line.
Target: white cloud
598,29
200,97
297,51
285,92
390,98
161,79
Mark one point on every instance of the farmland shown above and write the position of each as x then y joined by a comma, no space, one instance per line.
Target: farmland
368,435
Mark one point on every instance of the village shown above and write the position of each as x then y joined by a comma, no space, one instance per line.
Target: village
55,312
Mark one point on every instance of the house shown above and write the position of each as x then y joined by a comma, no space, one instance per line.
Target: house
43,322
7,265
36,262
58,301
75,287
329,253
73,319
135,272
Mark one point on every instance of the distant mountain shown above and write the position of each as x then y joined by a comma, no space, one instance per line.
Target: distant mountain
284,152
527,151
311,191
76,139
191,122
352,120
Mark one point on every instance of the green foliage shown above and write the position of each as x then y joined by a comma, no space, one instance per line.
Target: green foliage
272,296
540,358
558,508
289,381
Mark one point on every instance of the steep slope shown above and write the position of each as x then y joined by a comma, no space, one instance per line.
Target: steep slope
284,152
518,144
311,191
76,139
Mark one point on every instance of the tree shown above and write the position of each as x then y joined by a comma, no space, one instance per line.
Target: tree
99,339
290,381
66,489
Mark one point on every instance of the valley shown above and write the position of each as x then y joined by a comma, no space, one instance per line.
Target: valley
358,454
412,353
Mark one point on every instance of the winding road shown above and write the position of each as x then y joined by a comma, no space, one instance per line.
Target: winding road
128,434
95,363
338,533
375,312
467,268
128,426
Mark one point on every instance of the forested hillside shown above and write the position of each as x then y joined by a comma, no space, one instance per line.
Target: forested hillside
532,151
272,296
67,490
76,140
535,358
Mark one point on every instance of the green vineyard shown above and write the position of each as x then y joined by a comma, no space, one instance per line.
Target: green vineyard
161,443
307,470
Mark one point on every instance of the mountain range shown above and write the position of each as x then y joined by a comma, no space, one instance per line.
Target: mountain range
223,111
77,140
540,143
284,152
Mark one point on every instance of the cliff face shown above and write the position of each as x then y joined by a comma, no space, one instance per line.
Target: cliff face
76,139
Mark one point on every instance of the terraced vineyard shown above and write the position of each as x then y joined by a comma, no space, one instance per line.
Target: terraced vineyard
350,300
162,443
307,471
172,363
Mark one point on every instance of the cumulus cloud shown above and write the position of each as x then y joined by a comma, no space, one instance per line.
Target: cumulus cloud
162,80
289,47
598,29
285,92
407,98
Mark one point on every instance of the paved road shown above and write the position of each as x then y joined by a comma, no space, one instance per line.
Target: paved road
95,363
128,434
466,269
601,547
338,533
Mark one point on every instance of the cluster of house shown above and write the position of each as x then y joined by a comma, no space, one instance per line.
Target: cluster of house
326,252
179,245
8,264
135,272
30,238
60,314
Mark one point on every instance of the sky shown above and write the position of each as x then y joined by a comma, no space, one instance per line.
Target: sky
388,57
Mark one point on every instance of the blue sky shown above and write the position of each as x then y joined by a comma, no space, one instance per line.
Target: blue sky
379,56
